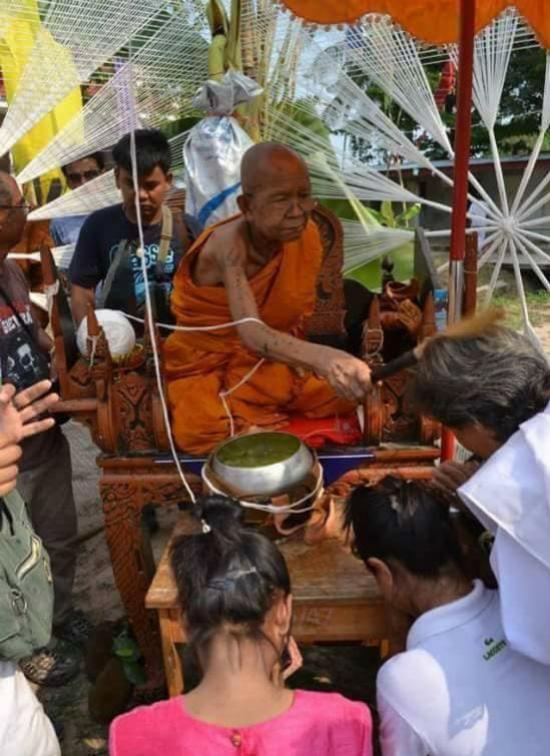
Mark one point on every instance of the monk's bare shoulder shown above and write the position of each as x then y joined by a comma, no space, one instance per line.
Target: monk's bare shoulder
224,248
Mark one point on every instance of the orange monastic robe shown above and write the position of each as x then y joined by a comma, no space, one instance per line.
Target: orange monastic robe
200,365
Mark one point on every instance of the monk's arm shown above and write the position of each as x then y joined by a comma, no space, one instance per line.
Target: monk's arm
348,376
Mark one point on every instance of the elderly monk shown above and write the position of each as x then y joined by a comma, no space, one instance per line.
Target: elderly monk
262,264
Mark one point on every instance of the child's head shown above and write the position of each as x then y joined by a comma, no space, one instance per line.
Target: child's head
231,581
403,532
154,162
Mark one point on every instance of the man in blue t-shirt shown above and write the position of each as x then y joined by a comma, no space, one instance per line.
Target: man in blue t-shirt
106,251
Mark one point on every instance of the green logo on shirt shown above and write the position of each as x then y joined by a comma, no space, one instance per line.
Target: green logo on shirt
493,648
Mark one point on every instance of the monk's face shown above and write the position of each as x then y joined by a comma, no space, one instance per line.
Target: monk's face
280,204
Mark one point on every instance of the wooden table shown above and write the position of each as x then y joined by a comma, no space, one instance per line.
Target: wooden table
335,599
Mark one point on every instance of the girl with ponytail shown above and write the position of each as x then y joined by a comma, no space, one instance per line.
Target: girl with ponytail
234,587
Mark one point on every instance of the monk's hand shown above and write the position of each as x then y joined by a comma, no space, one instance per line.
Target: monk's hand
450,476
349,377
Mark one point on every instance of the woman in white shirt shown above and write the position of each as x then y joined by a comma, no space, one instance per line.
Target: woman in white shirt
493,391
458,689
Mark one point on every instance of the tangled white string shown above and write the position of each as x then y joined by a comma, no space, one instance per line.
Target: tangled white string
99,192
294,508
164,75
151,324
60,60
387,56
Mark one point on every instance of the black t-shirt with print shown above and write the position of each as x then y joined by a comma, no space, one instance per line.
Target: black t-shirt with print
99,241
22,362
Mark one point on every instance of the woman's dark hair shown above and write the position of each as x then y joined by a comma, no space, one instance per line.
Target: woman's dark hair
499,380
405,521
152,149
228,574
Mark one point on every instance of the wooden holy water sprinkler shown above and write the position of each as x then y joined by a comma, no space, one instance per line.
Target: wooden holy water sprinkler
470,327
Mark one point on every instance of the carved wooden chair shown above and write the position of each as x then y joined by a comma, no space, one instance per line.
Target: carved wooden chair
120,404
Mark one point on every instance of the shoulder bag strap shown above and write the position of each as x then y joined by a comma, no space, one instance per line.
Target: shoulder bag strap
165,234
111,273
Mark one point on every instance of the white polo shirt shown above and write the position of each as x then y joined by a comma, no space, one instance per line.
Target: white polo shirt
510,495
459,690
25,730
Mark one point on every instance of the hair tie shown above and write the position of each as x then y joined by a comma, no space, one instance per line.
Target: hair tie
225,583
205,527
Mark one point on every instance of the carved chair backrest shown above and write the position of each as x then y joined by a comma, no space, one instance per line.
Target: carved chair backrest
328,316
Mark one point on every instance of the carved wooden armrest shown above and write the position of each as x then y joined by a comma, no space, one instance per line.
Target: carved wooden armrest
387,415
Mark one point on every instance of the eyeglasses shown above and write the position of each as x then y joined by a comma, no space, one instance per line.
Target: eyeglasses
82,178
24,206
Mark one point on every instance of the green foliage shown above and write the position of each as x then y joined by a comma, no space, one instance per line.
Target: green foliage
303,113
370,274
127,650
518,121
364,149
173,128
390,219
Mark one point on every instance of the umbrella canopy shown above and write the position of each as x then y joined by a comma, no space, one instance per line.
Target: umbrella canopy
435,21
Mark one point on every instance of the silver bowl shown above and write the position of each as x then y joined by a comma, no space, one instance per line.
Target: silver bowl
259,479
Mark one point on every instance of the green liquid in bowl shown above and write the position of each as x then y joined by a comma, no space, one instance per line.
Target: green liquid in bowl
258,450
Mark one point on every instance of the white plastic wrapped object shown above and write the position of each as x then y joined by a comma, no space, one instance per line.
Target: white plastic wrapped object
212,153
118,331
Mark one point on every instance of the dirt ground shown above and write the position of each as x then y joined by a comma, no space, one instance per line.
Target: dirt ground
350,670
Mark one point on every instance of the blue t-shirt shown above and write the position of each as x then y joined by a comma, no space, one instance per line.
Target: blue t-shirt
99,240
65,230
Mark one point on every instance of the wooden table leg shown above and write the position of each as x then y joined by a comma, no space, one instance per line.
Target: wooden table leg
122,505
170,632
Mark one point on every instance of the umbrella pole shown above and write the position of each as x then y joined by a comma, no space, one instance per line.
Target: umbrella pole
460,185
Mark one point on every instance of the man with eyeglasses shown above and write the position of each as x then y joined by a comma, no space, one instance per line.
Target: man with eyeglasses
65,230
45,473
260,267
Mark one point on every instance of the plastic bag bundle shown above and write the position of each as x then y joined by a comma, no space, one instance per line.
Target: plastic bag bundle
118,331
212,153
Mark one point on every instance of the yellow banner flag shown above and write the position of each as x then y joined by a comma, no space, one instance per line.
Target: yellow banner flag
26,45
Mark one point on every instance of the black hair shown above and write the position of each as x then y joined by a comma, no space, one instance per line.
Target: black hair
97,156
152,149
498,379
229,575
405,521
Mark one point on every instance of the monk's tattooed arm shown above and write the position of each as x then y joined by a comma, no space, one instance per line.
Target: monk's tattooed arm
349,376
258,336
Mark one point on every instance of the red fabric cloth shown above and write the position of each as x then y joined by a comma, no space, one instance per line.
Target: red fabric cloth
317,724
318,431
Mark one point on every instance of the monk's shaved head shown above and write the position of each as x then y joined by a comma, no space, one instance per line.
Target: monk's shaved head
266,162
276,192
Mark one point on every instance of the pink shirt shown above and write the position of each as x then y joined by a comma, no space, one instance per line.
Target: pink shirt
316,724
